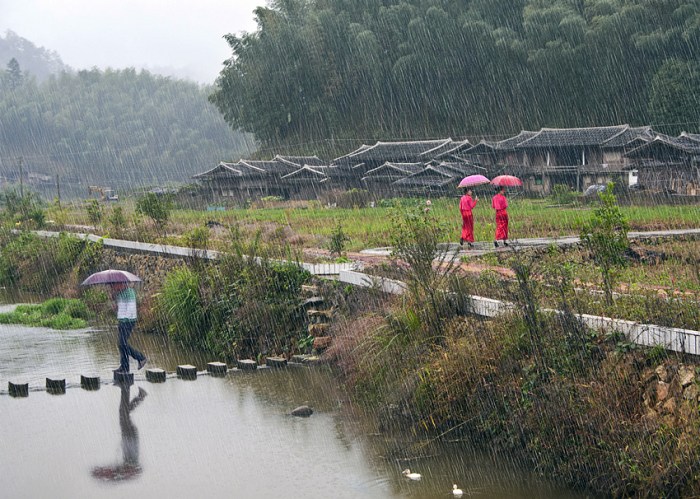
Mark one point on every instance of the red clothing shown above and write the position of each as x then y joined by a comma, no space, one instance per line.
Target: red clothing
500,203
466,205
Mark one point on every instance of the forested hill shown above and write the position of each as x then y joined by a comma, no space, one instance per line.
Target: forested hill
118,128
316,71
38,62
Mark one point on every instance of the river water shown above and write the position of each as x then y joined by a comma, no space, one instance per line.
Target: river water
210,437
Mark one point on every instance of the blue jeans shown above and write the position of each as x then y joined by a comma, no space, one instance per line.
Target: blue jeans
126,350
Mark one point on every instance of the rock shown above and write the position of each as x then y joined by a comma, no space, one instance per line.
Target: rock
318,329
322,314
691,392
663,373
322,342
686,375
662,391
313,301
309,289
651,419
303,411
670,405
275,362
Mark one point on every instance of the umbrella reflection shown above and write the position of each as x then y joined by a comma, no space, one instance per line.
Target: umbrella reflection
129,467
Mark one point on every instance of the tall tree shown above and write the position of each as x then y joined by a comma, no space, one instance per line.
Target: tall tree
14,74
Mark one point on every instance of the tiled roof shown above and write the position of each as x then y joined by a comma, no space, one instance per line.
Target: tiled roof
665,143
691,136
438,175
509,144
220,170
271,167
567,137
482,147
400,152
395,169
630,135
307,173
455,148
300,160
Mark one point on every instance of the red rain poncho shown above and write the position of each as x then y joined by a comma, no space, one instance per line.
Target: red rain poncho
466,205
500,204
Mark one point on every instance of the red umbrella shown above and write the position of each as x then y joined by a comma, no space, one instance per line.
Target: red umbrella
473,180
507,181
110,276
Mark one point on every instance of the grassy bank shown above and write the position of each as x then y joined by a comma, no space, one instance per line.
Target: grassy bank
590,411
56,313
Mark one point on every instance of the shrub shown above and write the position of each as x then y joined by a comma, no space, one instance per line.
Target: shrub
605,235
338,240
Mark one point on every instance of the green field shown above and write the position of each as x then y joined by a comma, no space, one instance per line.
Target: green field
308,224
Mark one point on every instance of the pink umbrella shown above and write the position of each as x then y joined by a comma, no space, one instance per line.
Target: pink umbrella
110,276
507,181
473,180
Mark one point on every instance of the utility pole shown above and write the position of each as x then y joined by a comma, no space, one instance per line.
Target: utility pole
21,179
58,192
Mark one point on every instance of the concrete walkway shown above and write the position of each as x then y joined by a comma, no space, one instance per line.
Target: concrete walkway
482,248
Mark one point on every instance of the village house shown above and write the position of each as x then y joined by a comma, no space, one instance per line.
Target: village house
574,157
669,164
251,179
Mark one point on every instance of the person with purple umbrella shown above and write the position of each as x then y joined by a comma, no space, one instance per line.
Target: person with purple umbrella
124,302
466,205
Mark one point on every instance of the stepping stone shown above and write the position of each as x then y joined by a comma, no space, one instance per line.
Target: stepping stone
187,371
155,375
305,359
276,362
90,382
303,411
123,378
314,300
247,365
55,385
217,368
18,389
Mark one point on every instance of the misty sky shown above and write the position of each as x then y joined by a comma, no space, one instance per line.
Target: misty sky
181,38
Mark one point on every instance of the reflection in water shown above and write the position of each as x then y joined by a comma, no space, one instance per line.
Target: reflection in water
129,467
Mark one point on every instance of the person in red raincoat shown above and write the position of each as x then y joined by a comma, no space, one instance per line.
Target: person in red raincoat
500,204
466,205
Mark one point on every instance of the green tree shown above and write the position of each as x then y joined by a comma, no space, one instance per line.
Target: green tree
675,96
605,236
14,77
155,207
94,212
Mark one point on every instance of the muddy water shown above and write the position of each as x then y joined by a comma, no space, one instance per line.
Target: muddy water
211,437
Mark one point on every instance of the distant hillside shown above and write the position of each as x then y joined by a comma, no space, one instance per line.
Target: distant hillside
118,128
38,61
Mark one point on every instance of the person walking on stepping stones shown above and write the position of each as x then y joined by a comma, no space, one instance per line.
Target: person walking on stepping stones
124,302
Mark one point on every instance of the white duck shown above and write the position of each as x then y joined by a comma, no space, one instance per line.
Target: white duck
455,491
413,476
